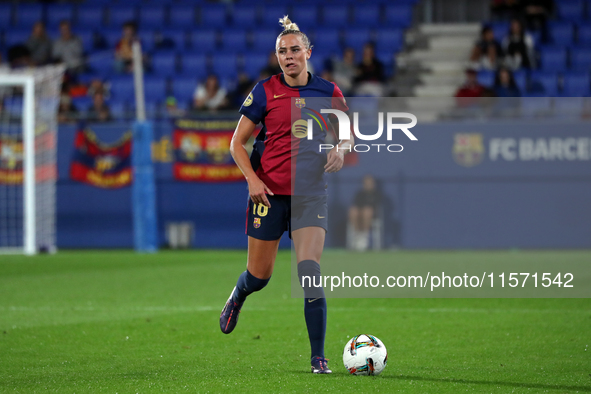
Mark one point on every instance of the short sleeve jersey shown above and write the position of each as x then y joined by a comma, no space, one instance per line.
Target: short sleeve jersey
291,164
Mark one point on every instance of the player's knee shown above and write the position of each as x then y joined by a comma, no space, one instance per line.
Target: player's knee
255,284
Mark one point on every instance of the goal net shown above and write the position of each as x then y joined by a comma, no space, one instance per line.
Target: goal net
29,100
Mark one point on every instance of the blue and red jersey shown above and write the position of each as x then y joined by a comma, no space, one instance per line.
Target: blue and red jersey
290,163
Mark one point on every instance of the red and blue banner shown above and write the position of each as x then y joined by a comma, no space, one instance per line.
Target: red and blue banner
99,164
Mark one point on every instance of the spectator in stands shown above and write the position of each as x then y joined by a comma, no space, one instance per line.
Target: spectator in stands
210,95
67,111
172,109
68,48
363,211
344,71
536,14
370,73
467,95
504,9
272,67
518,47
487,53
99,112
39,45
97,86
505,85
123,50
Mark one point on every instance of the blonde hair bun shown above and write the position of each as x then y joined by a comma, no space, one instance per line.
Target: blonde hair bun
287,24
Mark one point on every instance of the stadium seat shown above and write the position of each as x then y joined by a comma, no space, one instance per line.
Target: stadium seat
398,15
155,89
356,38
147,40
100,64
111,37
580,58
570,10
118,109
254,63
174,38
182,15
164,64
204,40
90,16
318,63
553,59
16,36
270,15
27,14
577,85
387,59
367,15
122,88
584,35
327,40
5,15
194,64
151,16
336,15
500,30
213,15
58,12
306,16
546,82
119,14
183,88
264,39
87,38
562,33
521,80
389,40
486,78
234,40
244,15
224,65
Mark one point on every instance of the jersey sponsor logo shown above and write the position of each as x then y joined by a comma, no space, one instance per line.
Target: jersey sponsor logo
468,149
300,128
248,100
279,95
300,102
257,222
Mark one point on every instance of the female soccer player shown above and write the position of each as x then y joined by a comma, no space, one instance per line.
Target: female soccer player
273,206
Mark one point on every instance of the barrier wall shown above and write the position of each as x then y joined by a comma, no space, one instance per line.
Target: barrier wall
461,185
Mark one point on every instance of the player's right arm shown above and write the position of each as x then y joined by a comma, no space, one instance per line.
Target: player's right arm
256,187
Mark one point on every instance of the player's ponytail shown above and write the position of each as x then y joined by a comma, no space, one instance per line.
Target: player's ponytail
291,28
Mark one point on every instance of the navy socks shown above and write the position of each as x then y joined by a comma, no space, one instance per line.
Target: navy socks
246,285
314,305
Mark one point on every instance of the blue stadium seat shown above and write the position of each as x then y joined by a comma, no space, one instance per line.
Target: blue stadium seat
500,30
87,38
367,15
264,39
570,10
164,63
486,78
204,40
398,15
182,15
119,14
213,15
306,16
270,15
553,59
547,82
234,40
520,80
388,60
151,16
174,38
82,103
356,38
318,63
147,40
111,37
562,33
183,88
16,36
327,40
254,63
90,16
27,14
122,88
245,15
101,64
580,58
5,15
118,109
584,36
391,40
577,85
155,89
194,64
58,12
336,15
224,65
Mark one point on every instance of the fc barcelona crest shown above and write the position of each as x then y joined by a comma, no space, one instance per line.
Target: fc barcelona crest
257,222
468,149
300,102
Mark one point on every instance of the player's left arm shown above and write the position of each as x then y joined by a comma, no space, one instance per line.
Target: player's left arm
336,156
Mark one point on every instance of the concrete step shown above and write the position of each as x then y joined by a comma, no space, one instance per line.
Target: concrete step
461,54
435,91
452,79
449,29
451,43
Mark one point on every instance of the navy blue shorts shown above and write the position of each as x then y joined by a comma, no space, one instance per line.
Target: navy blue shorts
287,213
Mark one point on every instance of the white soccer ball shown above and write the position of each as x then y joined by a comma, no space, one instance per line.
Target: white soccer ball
365,355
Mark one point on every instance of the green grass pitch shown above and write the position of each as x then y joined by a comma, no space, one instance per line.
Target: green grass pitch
115,321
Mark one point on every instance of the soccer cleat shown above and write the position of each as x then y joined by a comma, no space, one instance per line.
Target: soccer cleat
319,365
229,316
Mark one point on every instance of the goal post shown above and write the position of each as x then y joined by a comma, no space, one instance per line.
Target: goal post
28,137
